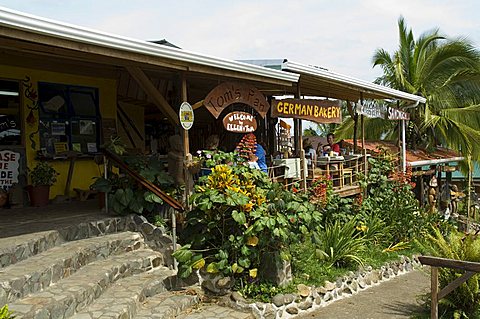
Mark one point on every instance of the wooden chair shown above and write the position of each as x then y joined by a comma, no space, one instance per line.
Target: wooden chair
348,174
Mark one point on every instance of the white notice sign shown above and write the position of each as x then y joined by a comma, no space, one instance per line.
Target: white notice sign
9,165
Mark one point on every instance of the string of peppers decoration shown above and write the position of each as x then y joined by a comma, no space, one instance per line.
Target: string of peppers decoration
32,104
247,146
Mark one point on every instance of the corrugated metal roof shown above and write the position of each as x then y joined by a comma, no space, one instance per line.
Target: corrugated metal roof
335,85
39,25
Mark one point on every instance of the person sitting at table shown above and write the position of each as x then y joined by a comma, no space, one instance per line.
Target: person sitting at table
330,146
310,153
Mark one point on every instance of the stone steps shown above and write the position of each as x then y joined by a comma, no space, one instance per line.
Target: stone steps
123,298
166,305
18,248
74,293
48,267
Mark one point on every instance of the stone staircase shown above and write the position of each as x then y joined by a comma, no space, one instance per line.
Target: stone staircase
112,268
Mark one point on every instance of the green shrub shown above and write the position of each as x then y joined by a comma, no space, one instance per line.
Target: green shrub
340,244
390,197
124,193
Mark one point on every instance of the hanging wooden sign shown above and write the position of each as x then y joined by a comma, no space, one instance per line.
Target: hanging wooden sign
373,109
228,93
319,111
239,122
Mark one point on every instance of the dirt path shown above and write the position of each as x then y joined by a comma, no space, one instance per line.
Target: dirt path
394,299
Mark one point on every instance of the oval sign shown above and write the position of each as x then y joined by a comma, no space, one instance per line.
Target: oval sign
240,122
186,115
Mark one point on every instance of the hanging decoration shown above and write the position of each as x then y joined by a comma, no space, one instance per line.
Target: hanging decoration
247,146
32,105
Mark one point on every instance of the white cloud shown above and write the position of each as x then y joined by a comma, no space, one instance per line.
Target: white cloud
340,35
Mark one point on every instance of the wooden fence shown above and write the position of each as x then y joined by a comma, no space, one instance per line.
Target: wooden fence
470,269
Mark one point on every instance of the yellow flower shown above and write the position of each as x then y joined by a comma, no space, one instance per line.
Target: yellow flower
253,272
248,207
252,241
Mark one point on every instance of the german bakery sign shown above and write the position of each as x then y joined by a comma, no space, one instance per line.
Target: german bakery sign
239,122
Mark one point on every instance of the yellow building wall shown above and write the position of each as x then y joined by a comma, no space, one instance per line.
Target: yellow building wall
85,169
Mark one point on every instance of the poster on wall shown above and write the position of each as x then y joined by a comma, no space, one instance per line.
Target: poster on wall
9,168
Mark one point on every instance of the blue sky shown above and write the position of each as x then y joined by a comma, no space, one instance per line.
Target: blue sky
340,35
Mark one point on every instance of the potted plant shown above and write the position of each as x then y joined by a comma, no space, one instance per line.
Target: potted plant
42,177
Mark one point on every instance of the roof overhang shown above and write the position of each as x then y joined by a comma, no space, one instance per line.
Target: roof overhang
317,81
11,21
435,161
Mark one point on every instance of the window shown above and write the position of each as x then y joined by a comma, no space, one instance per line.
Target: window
10,126
69,118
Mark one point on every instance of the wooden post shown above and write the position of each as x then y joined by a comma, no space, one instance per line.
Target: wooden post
186,142
301,152
434,293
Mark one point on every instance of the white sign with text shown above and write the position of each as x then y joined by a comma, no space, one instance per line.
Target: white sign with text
9,168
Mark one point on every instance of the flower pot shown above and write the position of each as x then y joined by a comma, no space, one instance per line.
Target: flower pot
101,200
39,195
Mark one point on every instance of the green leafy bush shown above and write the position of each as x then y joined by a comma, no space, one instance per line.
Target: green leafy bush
390,198
126,196
239,214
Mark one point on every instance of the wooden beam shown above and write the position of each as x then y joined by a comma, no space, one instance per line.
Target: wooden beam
197,105
454,284
46,45
450,263
186,141
157,98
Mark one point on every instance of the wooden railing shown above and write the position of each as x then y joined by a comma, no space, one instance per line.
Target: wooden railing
470,269
145,183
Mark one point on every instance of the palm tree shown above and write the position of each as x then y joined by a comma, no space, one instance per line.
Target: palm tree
444,71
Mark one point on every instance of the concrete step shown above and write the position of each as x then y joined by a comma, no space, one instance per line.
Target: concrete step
166,305
74,293
18,248
42,270
123,298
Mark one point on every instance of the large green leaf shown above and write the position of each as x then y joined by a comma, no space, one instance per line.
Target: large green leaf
239,217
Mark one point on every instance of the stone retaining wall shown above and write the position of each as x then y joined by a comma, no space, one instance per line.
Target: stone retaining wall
312,298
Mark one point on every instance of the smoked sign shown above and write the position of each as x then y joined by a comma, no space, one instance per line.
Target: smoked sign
9,164
319,111
240,122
